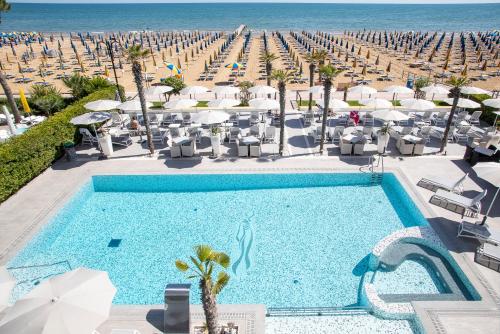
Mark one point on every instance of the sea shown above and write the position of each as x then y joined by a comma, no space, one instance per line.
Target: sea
259,16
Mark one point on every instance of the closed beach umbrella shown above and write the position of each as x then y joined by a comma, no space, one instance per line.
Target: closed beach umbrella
463,103
181,104
334,104
417,104
76,302
24,102
262,90
388,115
376,103
209,117
224,103
133,105
490,172
7,283
102,105
469,90
264,104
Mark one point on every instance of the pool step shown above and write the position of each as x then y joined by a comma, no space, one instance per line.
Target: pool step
409,297
316,311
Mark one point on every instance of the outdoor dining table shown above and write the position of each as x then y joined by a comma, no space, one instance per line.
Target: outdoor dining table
353,139
353,130
249,140
412,139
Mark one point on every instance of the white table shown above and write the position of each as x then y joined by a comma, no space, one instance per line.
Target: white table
352,138
249,140
181,140
412,139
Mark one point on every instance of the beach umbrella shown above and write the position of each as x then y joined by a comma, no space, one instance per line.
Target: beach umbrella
264,104
209,117
7,283
362,89
174,69
334,104
376,103
435,89
234,66
91,118
262,90
180,104
224,103
133,105
317,90
388,115
24,102
398,90
417,104
75,302
469,90
225,90
493,103
463,103
490,172
102,105
156,92
193,90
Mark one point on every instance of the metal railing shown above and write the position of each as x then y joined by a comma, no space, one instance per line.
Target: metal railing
316,311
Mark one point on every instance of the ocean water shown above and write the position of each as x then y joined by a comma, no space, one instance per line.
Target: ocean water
297,240
228,16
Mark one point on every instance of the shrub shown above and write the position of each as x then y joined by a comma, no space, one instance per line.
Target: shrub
82,86
176,83
46,99
487,116
24,157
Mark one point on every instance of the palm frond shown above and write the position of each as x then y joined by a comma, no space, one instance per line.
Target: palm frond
136,53
181,265
222,280
203,252
329,72
221,259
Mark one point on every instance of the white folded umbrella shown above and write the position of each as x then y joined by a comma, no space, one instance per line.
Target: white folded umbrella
133,105
463,103
7,283
388,115
76,302
334,104
265,104
262,90
209,117
223,103
376,103
417,104
490,172
180,104
398,90
102,105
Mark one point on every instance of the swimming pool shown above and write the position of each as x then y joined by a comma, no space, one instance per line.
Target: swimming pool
298,240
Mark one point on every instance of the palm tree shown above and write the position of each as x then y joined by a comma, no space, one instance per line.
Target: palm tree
268,59
328,74
314,58
456,84
10,97
283,77
135,55
204,262
4,7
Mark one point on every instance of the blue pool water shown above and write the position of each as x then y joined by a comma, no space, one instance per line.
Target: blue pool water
294,239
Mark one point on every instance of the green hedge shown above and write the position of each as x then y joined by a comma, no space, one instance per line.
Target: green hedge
24,157
487,116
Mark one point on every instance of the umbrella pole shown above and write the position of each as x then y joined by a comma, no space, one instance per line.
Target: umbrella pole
491,205
97,137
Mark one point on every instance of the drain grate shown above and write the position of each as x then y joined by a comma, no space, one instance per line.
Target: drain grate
113,243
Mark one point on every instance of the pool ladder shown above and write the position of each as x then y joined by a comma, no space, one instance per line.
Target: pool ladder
376,168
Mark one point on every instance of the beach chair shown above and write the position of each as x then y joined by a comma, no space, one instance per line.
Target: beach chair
433,184
308,118
367,133
337,134
254,118
158,135
461,133
489,256
123,138
87,137
425,133
480,232
255,131
270,134
235,119
368,119
116,119
440,118
469,205
426,117
404,147
474,118
234,134
186,118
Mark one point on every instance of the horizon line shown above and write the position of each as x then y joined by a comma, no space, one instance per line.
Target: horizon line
344,2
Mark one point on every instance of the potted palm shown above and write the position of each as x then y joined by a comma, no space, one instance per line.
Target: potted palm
383,138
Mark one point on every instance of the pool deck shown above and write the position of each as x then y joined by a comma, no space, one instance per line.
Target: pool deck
27,211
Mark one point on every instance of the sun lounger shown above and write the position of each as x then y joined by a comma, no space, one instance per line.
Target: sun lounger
479,232
446,184
489,255
472,205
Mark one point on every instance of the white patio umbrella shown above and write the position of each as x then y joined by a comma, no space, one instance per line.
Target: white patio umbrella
376,103
398,90
225,90
102,105
262,90
181,104
469,90
417,104
7,283
133,105
223,103
193,90
155,93
435,89
493,103
463,103
490,172
91,118
362,89
319,90
10,122
388,115
76,302
210,117
265,104
334,104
